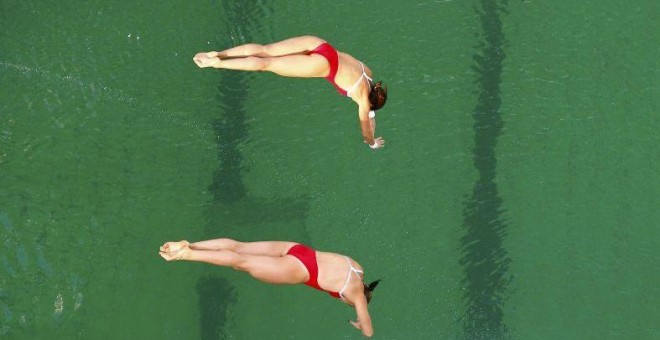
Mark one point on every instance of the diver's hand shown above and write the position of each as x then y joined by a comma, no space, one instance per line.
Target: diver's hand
378,143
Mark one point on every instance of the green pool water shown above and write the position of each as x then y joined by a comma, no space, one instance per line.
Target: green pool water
517,196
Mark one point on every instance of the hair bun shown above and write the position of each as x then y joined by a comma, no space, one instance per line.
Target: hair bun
373,285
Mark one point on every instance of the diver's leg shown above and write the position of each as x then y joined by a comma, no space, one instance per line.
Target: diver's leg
277,270
300,66
266,248
297,45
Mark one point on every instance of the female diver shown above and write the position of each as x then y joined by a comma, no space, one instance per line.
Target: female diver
310,57
280,262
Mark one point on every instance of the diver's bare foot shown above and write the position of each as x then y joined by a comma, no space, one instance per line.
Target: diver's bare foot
169,247
175,250
204,59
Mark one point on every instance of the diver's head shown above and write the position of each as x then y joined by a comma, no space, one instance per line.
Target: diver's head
377,96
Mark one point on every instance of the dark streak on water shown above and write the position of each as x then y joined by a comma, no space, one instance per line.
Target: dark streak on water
240,215
216,295
231,130
484,259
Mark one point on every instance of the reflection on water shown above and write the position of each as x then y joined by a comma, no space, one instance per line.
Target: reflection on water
484,259
216,296
231,130
241,214
96,92
24,264
231,202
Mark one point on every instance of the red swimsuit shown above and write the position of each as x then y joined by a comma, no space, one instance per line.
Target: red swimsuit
330,54
307,256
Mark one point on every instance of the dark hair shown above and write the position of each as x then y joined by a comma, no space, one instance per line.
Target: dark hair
369,288
377,95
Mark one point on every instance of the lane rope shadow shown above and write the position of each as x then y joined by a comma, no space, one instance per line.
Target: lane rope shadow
485,262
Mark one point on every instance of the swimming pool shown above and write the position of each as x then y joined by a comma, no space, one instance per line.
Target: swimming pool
516,198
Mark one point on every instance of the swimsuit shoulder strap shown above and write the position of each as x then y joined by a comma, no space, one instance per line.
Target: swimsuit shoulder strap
363,75
363,72
351,270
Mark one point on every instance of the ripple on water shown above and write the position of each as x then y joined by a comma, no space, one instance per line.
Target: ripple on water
4,220
7,315
42,263
7,266
78,301
100,91
58,305
22,256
